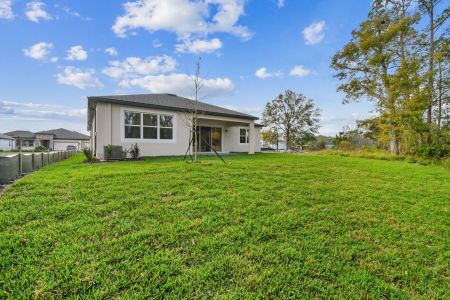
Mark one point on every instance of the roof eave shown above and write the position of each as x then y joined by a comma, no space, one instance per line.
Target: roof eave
130,103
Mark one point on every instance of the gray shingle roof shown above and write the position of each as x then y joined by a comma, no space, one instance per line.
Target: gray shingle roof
21,133
5,137
58,134
167,102
64,134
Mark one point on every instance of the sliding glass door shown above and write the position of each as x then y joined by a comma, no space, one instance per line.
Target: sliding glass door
216,139
210,138
205,136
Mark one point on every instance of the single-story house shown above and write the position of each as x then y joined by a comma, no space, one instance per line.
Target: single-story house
6,142
56,139
22,139
61,138
161,124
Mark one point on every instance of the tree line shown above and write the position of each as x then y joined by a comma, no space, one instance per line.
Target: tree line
399,59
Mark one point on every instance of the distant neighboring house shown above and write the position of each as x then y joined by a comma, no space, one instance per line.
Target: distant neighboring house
56,139
159,124
23,139
6,142
63,138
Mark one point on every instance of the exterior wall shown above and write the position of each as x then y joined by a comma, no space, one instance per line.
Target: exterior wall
25,148
45,140
257,139
103,127
93,133
108,128
109,124
232,139
6,145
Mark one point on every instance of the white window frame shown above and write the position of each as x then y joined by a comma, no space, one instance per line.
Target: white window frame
29,143
161,127
247,136
149,126
140,125
152,112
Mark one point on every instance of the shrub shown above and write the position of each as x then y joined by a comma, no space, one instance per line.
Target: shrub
134,151
319,144
345,145
438,151
40,149
89,154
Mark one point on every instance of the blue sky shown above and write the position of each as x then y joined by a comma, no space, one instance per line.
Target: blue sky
55,53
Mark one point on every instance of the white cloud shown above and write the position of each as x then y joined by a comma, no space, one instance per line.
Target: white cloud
6,11
280,3
313,34
73,13
199,46
111,51
135,66
180,84
38,111
184,17
157,44
76,53
263,73
39,51
35,11
251,110
299,71
330,125
78,78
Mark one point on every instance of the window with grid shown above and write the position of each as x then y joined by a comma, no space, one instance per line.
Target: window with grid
150,126
243,136
132,125
165,127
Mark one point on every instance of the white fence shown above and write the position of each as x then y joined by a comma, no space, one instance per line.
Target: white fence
15,165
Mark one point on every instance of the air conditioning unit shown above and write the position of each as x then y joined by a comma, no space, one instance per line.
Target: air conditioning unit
113,152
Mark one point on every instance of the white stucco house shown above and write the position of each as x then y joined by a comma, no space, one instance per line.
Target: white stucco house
55,139
161,124
6,142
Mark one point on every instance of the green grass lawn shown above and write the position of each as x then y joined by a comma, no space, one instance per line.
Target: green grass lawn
16,152
8,152
262,226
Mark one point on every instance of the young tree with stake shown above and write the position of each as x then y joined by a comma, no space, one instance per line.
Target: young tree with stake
190,119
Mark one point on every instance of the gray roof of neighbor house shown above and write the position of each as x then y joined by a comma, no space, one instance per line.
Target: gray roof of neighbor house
21,133
163,101
64,134
5,137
